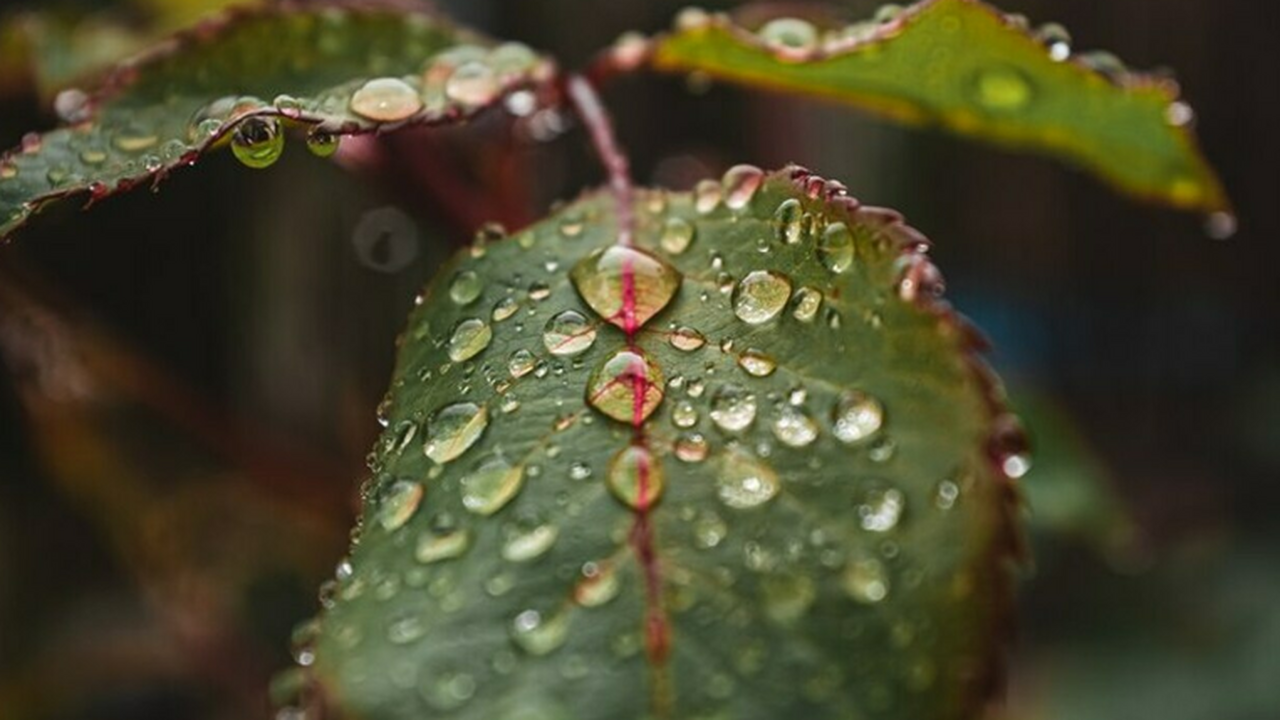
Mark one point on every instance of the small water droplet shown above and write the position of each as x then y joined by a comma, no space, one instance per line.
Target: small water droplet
627,387
807,303
469,338
790,38
756,363
794,427
399,504
492,485
635,477
686,339
258,142
881,509
625,286
835,248
761,296
386,100
692,448
866,581
323,144
538,635
568,333
465,288
526,544
1002,88
453,429
857,416
744,482
473,83
740,184
733,408
677,235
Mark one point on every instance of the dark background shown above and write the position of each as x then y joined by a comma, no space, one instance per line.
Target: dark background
191,376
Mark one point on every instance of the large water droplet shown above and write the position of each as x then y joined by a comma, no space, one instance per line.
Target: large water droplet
386,100
538,635
525,544
794,427
568,333
733,408
624,285
745,482
740,184
1002,89
635,477
258,142
857,416
453,429
465,288
881,509
866,581
399,504
627,387
761,296
835,248
468,339
677,235
489,488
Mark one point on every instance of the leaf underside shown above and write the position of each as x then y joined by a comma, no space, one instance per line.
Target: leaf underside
513,582
304,64
964,66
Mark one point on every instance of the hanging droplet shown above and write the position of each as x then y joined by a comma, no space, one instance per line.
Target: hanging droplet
808,302
635,477
740,184
627,387
386,100
465,288
599,584
857,416
528,544
1002,88
439,545
733,408
761,296
399,504
790,38
756,363
686,339
468,339
489,488
258,142
677,235
473,83
866,581
881,509
788,220
323,144
745,482
835,248
538,635
625,286
453,429
794,428
568,333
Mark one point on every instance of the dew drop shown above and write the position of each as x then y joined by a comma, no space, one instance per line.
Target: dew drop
686,339
881,509
468,339
465,288
568,333
740,184
453,429
1002,89
866,581
636,478
386,100
677,235
625,286
323,144
756,363
528,544
794,427
521,363
537,635
761,296
258,142
627,387
473,83
788,220
399,504
807,303
492,485
733,408
443,544
857,416
791,38
744,482
835,248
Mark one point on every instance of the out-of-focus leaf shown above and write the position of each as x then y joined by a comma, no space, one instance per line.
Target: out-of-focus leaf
748,468
964,66
334,67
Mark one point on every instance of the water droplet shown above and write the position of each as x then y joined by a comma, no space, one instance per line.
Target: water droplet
788,219
528,544
684,414
635,477
761,296
386,100
686,339
756,363
492,485
473,83
706,196
794,427
733,408
505,308
399,504
258,142
599,584
323,144
443,544
468,339
677,235
866,581
835,248
568,333
881,509
537,635
624,285
857,416
740,184
1002,89
745,482
692,448
627,387
791,38
807,303
453,429
465,288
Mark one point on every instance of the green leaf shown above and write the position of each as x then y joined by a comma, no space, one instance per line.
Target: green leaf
964,66
780,498
333,68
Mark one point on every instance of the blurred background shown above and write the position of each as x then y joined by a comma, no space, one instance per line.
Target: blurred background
189,379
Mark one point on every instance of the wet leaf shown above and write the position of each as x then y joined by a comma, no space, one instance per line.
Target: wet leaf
756,483
329,69
964,66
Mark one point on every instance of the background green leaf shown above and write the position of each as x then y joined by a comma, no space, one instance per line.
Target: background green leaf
964,66
799,561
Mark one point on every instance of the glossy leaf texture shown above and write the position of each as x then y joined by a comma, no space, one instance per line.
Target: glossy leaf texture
750,467
964,66
331,68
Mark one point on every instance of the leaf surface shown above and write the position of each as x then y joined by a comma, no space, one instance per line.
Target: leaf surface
333,68
964,66
781,502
